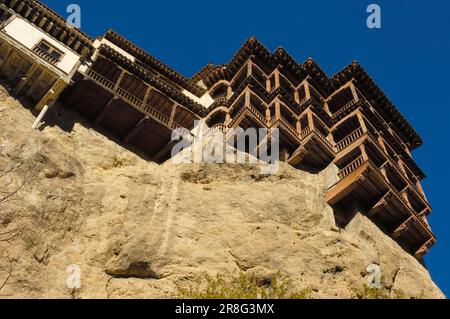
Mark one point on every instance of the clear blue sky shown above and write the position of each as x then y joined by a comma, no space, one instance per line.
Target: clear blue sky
409,57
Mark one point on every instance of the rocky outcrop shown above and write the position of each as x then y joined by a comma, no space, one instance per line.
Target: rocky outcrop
137,229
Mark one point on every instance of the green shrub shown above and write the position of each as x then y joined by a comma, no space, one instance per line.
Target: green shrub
382,293
244,286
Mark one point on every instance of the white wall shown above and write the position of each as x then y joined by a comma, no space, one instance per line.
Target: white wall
206,100
29,36
98,43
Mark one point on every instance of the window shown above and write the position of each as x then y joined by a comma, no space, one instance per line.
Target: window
48,52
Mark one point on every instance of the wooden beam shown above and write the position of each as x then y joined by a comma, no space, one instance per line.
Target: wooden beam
25,79
310,120
354,93
119,80
402,228
52,94
268,85
361,121
163,152
6,59
277,109
362,147
307,91
99,119
249,68
36,82
247,97
147,95
172,114
277,79
135,130
74,94
298,156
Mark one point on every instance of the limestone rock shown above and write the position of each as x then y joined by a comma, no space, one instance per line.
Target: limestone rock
139,230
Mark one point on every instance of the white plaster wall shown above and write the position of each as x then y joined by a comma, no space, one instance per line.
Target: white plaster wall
98,43
206,100
29,36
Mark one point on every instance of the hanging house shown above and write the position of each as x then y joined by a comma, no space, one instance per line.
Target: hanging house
345,119
39,51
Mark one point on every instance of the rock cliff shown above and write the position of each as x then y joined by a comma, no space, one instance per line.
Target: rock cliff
72,196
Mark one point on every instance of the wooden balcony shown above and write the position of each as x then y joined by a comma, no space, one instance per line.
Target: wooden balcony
349,139
132,100
315,150
358,137
251,114
44,55
362,182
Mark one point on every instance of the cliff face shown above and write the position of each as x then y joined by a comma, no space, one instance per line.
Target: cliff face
137,229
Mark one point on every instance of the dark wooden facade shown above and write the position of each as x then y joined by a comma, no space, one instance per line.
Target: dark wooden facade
345,119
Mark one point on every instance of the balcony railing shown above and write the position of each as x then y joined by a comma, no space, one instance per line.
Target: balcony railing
132,100
237,116
350,168
44,55
395,163
303,102
307,131
257,113
349,139
289,126
345,108
359,161
213,130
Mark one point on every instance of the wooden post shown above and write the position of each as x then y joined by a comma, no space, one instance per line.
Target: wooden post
327,108
277,79
229,92
52,94
36,82
5,60
354,93
298,126
268,85
384,172
172,115
227,119
361,121
307,91
277,109
135,130
330,138
310,120
24,80
249,68
296,96
119,80
268,115
247,98
402,166
362,147
147,95
380,140
104,112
